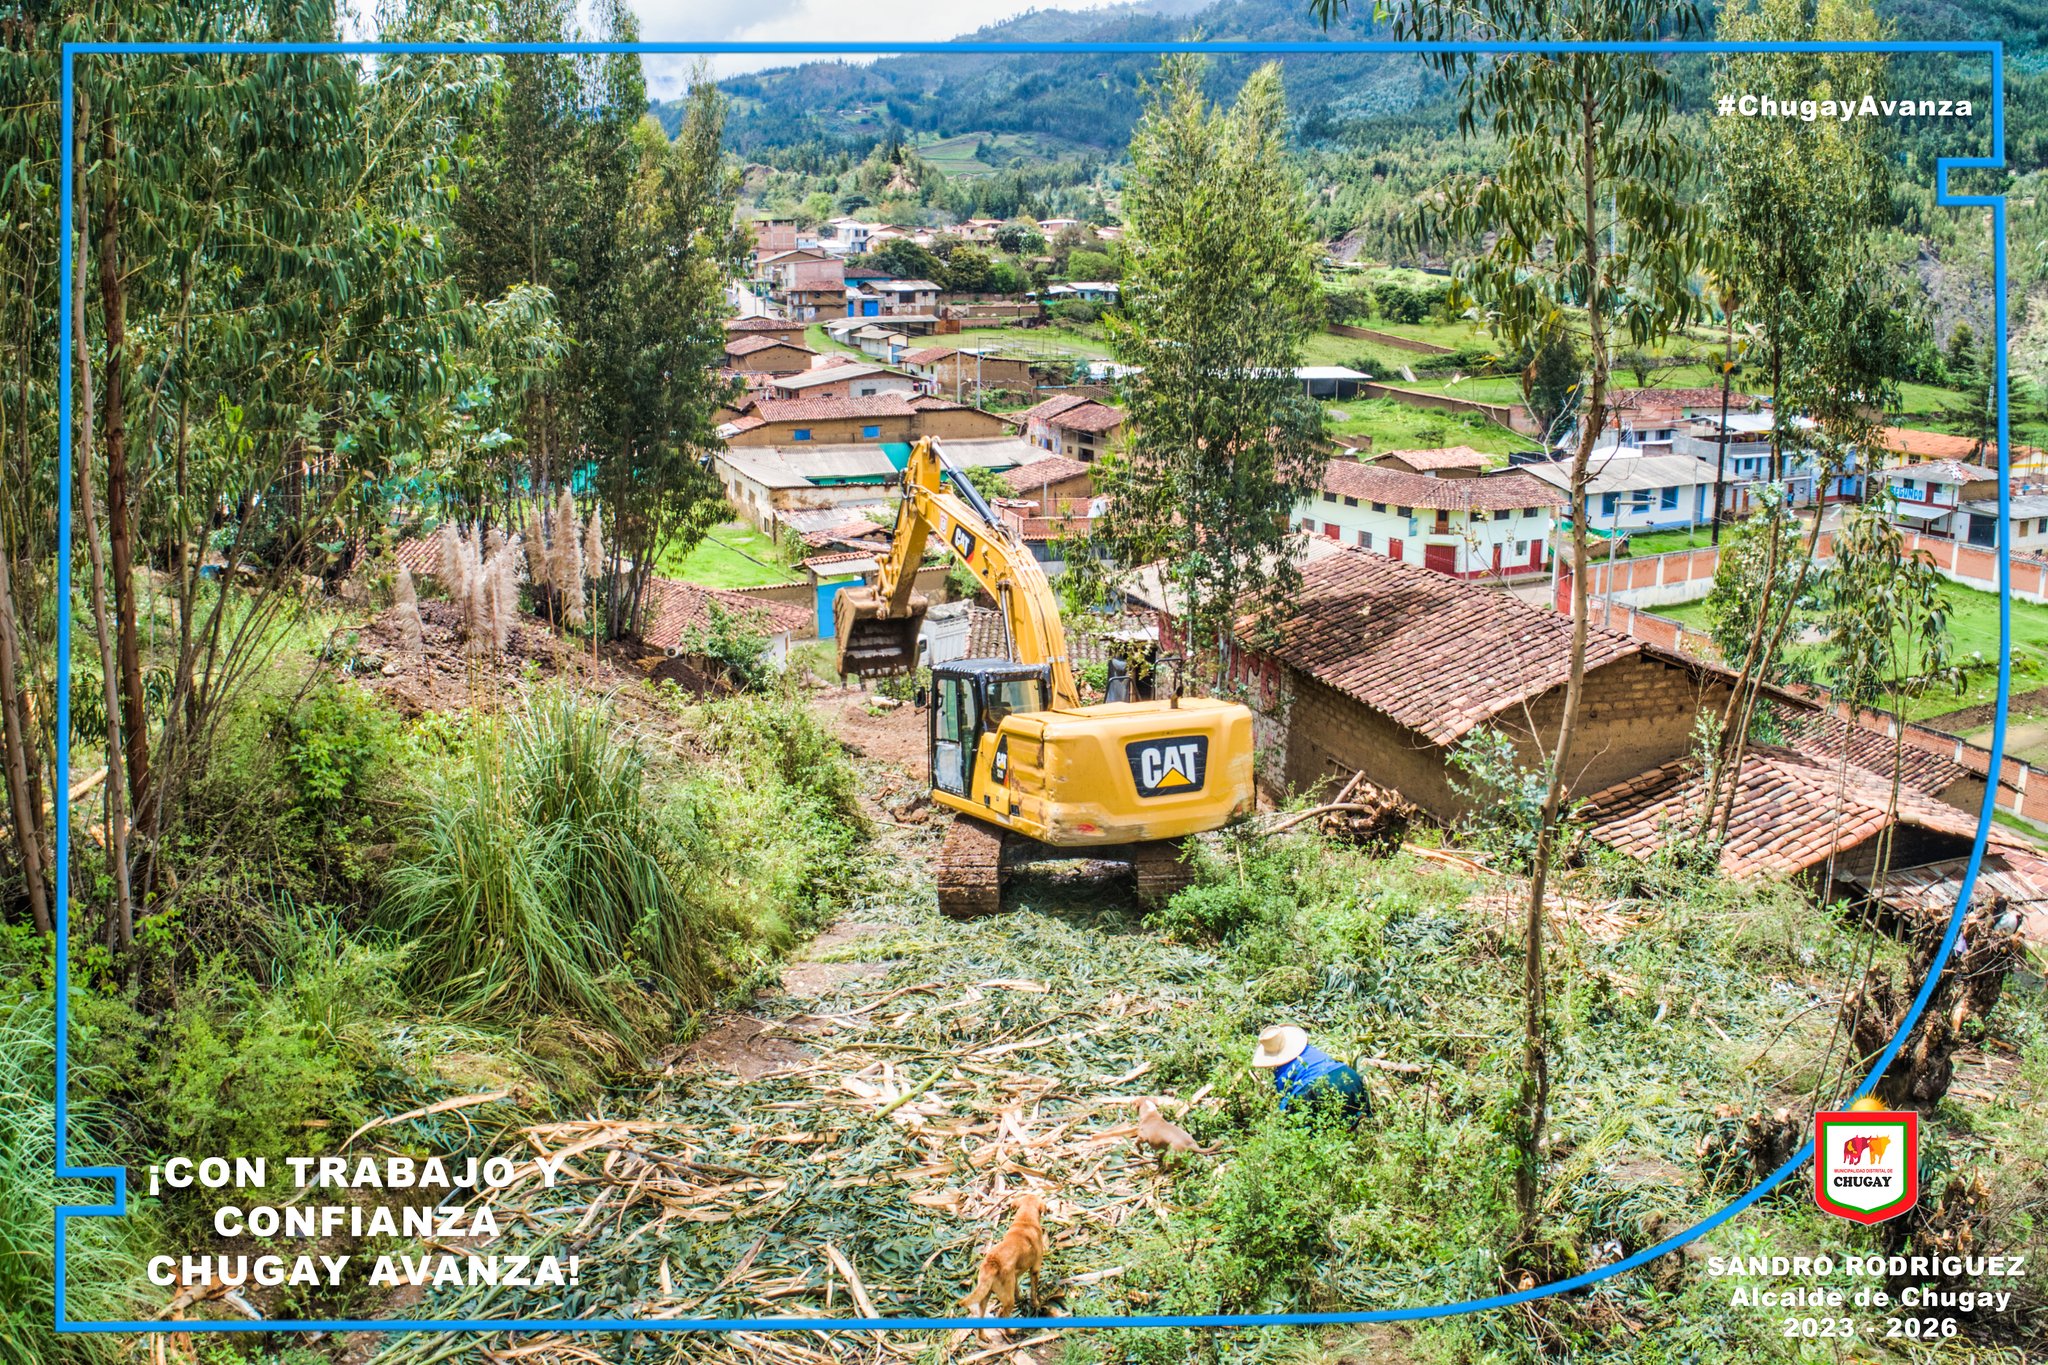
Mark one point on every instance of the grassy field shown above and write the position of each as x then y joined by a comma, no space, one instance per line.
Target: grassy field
733,555
1396,426
1973,633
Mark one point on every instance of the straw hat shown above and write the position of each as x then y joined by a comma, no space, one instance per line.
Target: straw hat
1278,1046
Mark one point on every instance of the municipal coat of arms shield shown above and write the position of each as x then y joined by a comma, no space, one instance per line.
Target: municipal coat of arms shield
1866,1163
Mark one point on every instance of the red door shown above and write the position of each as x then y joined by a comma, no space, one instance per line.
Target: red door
1393,549
1442,558
1496,558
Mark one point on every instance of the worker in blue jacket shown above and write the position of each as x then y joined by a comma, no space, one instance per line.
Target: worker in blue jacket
1301,1070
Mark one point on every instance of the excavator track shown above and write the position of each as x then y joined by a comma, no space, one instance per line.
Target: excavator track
970,870
1159,871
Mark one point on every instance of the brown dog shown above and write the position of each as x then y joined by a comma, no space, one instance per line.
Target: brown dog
1163,1137
1021,1252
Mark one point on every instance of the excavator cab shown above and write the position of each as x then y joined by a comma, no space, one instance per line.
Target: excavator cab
972,698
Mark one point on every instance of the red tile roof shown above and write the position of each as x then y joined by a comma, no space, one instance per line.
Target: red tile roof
673,609
1929,445
1051,407
1441,457
1501,492
1818,735
762,325
1791,811
1707,397
928,355
749,345
1030,478
822,409
851,530
1089,416
1435,653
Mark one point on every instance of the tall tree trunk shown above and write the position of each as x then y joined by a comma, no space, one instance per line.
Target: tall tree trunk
21,796
121,916
120,494
1535,1089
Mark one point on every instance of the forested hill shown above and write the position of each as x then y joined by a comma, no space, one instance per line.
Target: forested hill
1086,100
1090,101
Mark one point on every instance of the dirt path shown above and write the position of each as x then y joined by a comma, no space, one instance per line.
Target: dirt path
852,1140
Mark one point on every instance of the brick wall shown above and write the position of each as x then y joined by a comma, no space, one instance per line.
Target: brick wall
1684,575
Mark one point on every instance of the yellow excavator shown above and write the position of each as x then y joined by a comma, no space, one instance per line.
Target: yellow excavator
1028,771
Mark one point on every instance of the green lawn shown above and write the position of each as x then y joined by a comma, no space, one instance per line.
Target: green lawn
733,555
1396,426
1973,630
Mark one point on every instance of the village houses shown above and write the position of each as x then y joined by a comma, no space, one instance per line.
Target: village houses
1448,519
960,370
1936,497
883,417
1630,491
1069,424
846,378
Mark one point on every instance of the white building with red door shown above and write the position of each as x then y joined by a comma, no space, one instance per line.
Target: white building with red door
1465,527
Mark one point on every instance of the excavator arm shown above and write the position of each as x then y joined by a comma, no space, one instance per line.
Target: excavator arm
878,626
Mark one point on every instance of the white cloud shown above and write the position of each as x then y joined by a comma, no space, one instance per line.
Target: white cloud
784,21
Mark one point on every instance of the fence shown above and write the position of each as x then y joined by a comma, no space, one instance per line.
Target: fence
1513,416
1399,343
1683,575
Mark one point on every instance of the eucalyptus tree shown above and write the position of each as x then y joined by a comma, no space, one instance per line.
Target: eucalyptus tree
574,191
268,334
1219,298
660,424
1798,210
1587,226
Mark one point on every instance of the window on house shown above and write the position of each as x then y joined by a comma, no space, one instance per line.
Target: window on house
800,434
1530,511
1330,530
1607,501
1329,497
1379,507
1667,498
1521,549
869,433
1351,502
1639,501
1365,540
1404,511
1502,514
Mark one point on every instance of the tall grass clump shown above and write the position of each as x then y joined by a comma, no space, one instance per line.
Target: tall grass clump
103,1261
548,876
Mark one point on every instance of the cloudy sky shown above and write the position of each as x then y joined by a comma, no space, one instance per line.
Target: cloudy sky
782,21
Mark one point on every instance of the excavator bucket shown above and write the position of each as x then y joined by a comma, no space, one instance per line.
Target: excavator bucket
872,645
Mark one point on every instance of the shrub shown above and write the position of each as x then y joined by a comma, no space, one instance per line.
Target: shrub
543,877
1276,1205
102,1253
736,642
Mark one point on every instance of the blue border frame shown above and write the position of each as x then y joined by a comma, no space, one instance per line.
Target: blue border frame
119,1175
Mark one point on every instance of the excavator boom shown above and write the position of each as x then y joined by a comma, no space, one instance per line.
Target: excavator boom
877,627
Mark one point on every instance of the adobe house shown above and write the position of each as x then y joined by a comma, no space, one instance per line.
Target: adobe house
1070,424
1055,484
882,417
782,329
1792,811
766,355
1385,667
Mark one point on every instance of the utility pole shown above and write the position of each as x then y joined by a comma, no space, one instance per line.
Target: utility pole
1721,440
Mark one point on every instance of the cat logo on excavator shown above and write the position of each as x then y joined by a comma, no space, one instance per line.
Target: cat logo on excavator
1168,767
